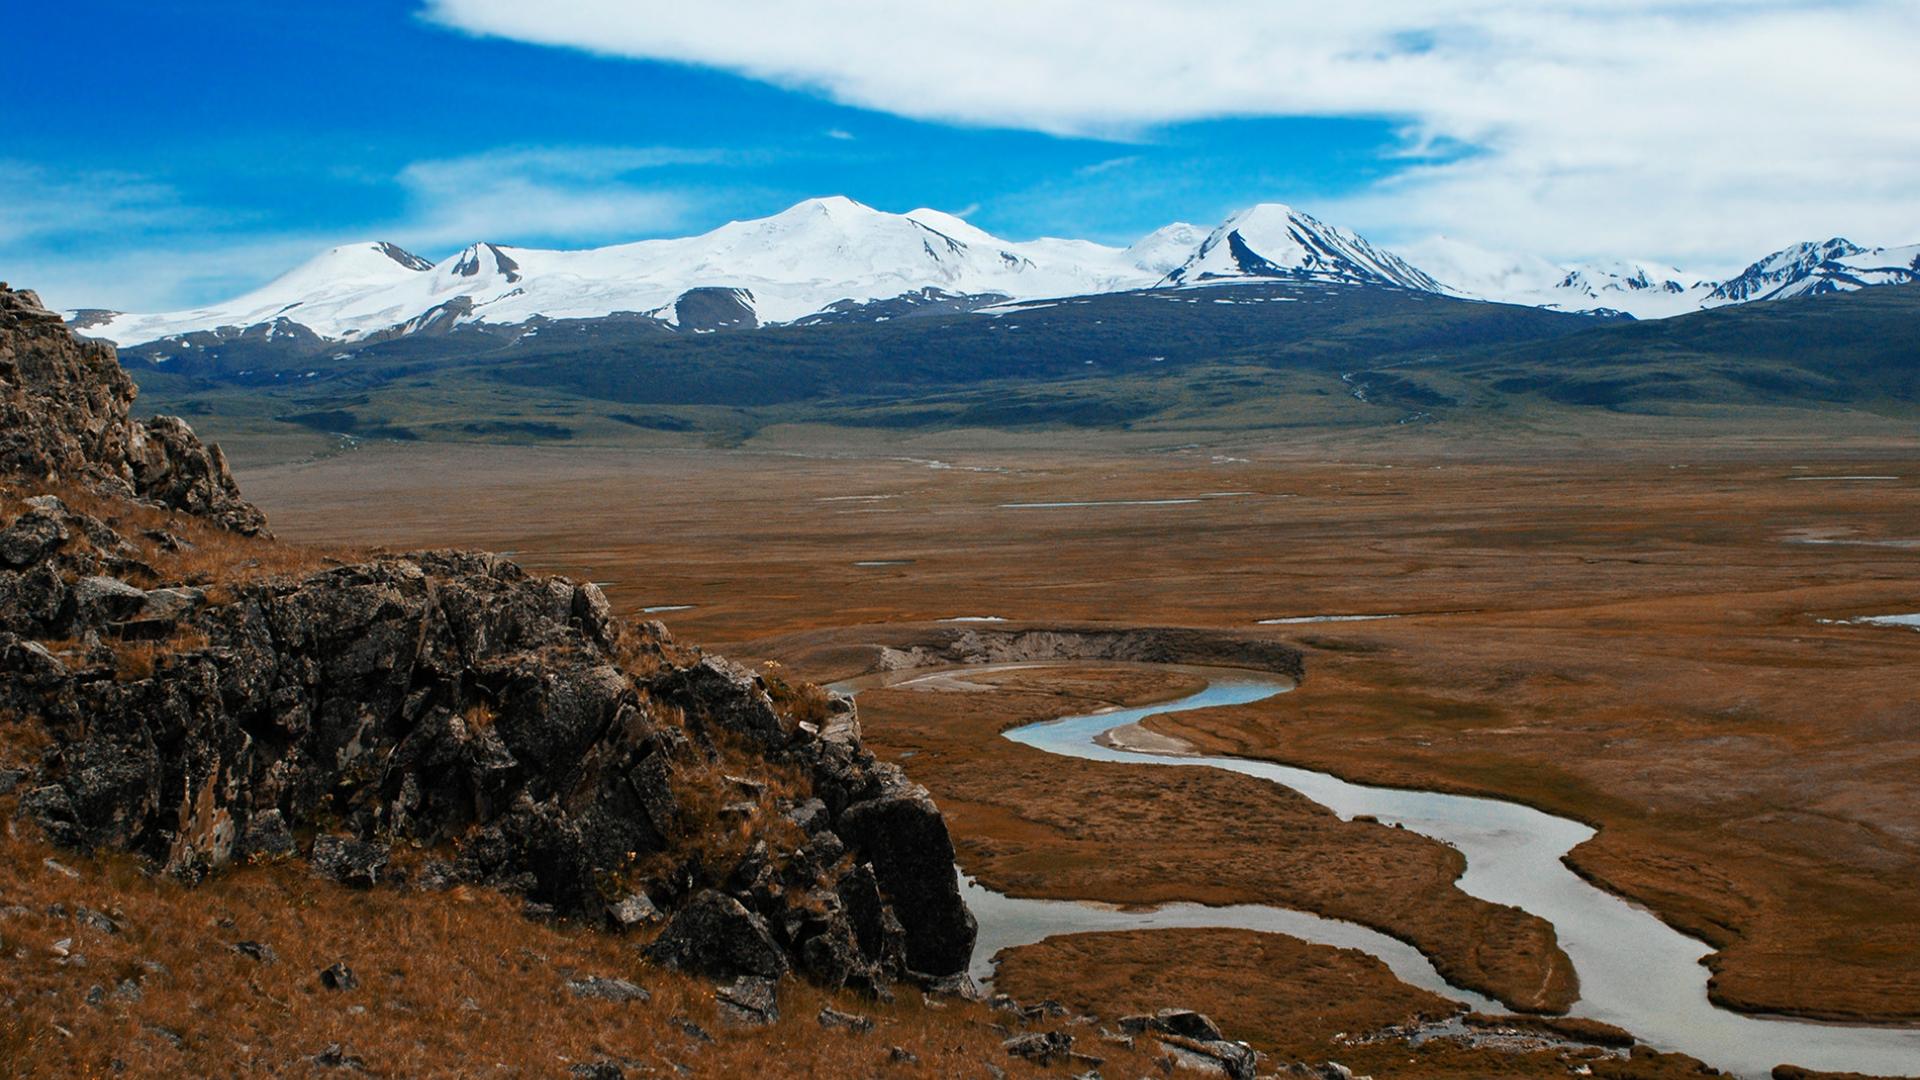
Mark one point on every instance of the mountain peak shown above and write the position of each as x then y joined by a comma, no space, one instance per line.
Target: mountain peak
402,256
1267,212
832,206
949,225
486,260
1820,266
1275,241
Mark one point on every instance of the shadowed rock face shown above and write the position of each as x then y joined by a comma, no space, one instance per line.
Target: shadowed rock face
440,699
64,417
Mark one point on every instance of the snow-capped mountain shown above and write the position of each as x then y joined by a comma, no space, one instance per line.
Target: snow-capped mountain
1653,291
1164,249
1810,269
834,259
1273,241
809,258
1643,290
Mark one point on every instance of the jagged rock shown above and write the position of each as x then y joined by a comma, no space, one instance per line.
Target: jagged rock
168,606
881,939
104,600
86,916
960,985
64,416
751,788
1182,1022
819,854
335,1056
749,1001
831,1017
258,950
1216,1057
811,816
714,935
338,976
727,696
631,911
602,988
830,955
598,1070
905,839
1043,1010
267,836
10,779
433,698
902,1056
51,808
347,861
1040,1047
32,537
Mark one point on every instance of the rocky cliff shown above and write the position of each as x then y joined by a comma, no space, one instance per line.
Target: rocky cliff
64,418
180,687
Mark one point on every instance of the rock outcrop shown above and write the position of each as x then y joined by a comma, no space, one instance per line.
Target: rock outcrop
64,417
505,724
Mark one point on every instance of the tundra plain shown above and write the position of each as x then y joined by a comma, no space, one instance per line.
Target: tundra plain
1653,638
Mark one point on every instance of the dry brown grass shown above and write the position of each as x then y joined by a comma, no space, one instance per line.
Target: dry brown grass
204,554
136,660
1629,635
1294,999
723,819
803,701
451,984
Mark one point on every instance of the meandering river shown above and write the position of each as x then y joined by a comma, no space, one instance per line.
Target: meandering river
1635,971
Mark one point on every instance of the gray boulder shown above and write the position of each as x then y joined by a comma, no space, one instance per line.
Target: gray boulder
905,839
1041,1047
749,1001
347,861
724,695
601,988
32,537
101,601
714,935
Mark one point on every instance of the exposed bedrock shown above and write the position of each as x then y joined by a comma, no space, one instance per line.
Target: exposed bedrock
431,718
64,417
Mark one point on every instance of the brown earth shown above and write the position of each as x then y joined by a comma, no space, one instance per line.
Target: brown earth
1628,636
448,984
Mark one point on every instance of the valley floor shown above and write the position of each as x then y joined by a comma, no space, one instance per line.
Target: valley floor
1653,639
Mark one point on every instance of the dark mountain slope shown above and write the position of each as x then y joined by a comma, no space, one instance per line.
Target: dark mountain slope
1858,349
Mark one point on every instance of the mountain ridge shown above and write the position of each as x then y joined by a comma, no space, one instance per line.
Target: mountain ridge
834,258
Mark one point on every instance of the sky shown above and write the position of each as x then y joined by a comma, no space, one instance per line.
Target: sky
158,156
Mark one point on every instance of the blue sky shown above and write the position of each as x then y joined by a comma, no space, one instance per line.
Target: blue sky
270,130
160,155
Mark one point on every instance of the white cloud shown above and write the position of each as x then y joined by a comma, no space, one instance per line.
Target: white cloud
132,243
556,195
1108,165
841,134
1683,129
38,203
